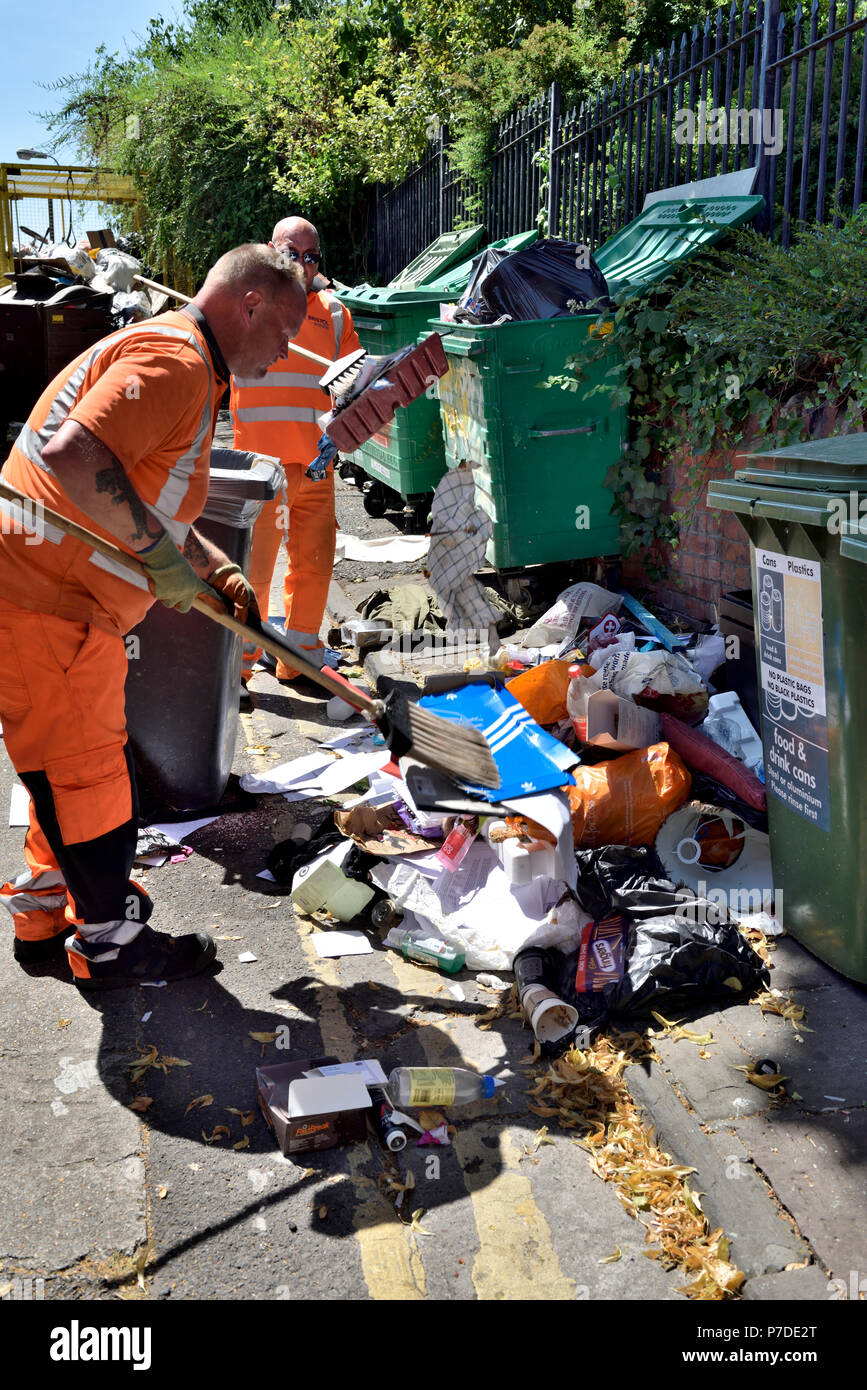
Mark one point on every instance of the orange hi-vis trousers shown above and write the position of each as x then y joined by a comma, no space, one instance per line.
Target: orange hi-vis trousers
310,543
62,710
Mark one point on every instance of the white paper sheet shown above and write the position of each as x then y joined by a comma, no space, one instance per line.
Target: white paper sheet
19,805
287,776
179,830
391,549
341,943
370,1072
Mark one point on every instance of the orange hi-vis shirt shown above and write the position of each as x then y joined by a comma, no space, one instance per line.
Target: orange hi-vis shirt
276,414
150,393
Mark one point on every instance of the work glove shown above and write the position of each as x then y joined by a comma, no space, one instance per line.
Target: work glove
235,587
173,579
327,453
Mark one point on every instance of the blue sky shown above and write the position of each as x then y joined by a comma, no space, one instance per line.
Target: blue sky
54,39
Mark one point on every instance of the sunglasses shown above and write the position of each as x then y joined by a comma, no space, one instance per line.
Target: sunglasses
308,257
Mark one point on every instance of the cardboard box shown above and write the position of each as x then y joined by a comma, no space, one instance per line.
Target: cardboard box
312,1112
615,723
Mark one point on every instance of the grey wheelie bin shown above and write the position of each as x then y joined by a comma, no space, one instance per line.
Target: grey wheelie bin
184,671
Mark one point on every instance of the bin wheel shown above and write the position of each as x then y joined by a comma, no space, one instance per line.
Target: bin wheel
375,501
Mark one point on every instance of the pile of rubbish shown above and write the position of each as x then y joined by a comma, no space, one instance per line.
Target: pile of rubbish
620,863
88,277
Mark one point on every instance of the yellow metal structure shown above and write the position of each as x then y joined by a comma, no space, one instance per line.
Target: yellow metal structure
65,182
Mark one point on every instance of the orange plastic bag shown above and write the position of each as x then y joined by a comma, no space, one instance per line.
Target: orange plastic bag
625,801
542,690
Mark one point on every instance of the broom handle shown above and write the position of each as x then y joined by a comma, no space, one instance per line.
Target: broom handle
259,636
164,289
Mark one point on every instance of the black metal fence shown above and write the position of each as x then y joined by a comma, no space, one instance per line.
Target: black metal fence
752,89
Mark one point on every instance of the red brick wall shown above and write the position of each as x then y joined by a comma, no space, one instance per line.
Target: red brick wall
713,555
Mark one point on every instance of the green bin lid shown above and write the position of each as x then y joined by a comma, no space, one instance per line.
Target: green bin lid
455,281
828,465
436,258
668,232
390,299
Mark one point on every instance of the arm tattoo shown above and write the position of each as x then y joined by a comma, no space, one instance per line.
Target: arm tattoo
195,552
115,482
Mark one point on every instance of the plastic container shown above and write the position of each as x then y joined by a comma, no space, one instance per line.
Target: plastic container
184,671
543,454
416,1086
810,654
389,1131
577,694
426,950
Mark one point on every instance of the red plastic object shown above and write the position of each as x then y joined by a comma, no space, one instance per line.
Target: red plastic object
701,753
408,379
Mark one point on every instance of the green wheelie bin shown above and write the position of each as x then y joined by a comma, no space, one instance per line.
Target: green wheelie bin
804,509
407,460
542,455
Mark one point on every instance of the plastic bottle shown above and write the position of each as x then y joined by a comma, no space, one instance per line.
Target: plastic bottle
427,950
385,914
577,695
456,845
439,1086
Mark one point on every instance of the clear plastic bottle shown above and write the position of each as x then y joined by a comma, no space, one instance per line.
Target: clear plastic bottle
426,950
577,694
439,1086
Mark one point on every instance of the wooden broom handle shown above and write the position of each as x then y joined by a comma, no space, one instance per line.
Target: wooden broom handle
336,685
164,289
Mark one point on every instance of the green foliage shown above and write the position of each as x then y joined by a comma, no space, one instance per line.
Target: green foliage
247,113
748,342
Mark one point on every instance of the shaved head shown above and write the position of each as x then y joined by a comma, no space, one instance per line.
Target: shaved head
290,227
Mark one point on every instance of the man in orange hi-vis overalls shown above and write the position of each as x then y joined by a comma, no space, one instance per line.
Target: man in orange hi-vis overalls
119,443
277,415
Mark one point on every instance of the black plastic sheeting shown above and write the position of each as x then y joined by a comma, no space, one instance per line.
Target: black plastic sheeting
679,954
472,305
548,280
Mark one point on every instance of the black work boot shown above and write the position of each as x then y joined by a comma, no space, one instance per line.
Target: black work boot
150,957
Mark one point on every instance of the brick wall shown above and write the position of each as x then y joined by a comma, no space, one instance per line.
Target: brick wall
713,556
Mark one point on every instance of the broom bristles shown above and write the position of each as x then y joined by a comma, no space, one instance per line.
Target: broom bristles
456,749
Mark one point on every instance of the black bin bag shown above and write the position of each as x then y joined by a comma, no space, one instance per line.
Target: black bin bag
548,280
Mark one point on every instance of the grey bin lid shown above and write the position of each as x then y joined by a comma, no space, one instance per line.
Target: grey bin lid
828,465
238,485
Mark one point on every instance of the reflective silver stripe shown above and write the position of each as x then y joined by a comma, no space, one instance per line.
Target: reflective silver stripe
302,414
178,530
177,484
104,563
337,319
29,902
302,379
31,444
50,878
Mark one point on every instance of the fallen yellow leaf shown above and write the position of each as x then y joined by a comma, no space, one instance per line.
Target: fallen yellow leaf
221,1132
766,1083
322,1213
64,1022
200,1103
612,1258
415,1223
163,1192
141,1103
242,1143
262,1037
245,1116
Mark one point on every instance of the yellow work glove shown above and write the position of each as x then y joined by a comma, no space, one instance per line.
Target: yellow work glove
233,584
173,579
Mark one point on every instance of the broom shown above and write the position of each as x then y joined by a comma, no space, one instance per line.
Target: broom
339,375
460,751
